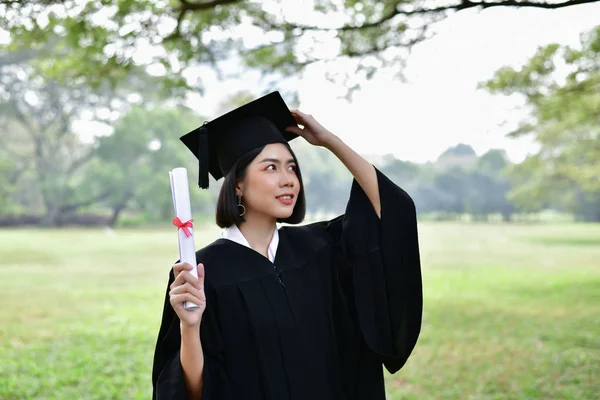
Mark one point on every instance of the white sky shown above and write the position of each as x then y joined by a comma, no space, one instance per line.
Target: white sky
440,105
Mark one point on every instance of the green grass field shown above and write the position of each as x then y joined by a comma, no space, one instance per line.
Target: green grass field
511,312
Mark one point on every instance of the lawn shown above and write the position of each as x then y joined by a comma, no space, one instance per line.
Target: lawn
511,312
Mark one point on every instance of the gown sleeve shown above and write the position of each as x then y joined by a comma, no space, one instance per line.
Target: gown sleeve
167,372
382,256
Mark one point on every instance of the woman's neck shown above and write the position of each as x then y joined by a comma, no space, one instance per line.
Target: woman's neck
258,232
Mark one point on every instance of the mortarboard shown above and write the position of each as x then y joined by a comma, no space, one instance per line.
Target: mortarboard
219,143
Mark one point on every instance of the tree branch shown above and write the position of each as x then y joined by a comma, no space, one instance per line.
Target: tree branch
81,161
22,3
516,3
463,5
22,119
177,32
193,6
75,206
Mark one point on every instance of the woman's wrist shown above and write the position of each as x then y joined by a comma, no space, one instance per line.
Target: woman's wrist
190,340
189,331
331,142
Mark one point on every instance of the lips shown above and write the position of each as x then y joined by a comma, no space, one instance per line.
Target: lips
287,198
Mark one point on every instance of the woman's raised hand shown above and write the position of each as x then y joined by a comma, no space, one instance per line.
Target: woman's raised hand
184,288
313,132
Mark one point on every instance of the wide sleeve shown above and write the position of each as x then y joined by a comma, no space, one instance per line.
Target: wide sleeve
382,256
167,372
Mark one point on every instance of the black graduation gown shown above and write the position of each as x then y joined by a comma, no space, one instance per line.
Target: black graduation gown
342,298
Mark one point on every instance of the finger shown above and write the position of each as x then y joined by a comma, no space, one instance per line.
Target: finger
179,279
187,288
301,116
300,119
298,115
201,274
177,268
184,276
178,299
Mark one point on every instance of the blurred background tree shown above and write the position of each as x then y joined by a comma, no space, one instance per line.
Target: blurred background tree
125,66
565,121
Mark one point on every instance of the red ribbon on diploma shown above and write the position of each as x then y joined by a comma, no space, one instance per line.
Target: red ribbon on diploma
183,225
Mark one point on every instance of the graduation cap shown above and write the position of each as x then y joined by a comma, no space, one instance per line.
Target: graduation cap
219,143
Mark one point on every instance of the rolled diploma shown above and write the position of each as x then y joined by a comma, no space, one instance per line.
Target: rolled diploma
181,201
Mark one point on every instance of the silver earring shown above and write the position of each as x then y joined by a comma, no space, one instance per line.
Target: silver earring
240,205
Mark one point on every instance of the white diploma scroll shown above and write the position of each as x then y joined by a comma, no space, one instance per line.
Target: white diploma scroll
181,200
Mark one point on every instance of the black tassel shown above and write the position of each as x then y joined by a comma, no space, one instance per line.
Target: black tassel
203,157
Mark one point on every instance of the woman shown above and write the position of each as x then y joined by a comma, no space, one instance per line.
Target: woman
299,312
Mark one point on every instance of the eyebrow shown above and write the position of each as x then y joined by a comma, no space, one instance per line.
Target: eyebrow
276,160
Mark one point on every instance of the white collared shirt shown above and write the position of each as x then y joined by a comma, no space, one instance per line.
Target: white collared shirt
234,234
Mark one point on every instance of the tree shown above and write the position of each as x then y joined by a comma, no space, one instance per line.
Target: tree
102,40
461,155
39,141
133,163
564,120
454,185
45,158
493,167
493,163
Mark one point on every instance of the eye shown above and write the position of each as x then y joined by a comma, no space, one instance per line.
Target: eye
271,167
292,168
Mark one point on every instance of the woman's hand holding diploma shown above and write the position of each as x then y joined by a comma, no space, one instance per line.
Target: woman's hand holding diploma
186,287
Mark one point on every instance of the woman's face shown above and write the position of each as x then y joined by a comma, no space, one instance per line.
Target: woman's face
271,186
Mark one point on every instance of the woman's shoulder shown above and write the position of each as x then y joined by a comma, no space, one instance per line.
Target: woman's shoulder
315,234
214,255
214,249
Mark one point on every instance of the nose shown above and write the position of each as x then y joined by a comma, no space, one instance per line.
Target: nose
287,180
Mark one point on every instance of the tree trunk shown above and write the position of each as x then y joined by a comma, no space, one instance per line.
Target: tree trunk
52,216
118,208
115,215
507,216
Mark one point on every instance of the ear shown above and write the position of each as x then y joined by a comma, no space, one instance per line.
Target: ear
239,188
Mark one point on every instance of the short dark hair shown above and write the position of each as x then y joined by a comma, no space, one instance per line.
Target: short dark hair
227,208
